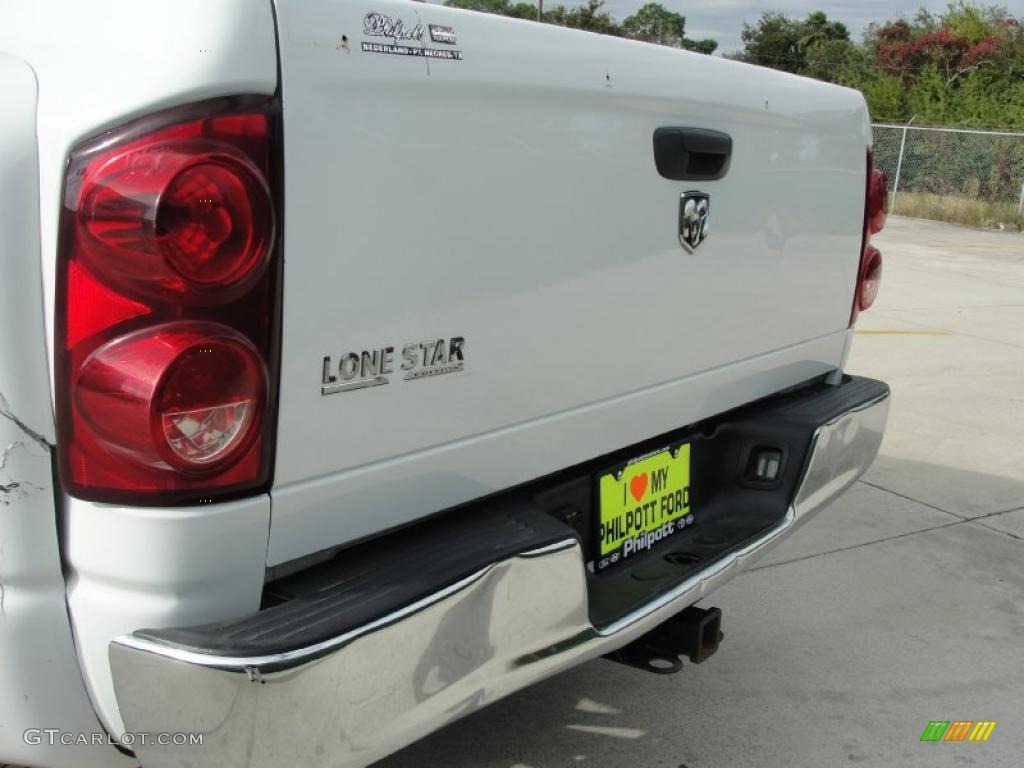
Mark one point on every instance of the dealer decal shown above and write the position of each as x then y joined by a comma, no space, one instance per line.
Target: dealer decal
441,34
401,38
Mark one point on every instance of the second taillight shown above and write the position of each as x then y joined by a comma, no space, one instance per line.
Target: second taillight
169,307
869,272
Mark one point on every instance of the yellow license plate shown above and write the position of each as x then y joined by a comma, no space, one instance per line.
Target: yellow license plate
643,504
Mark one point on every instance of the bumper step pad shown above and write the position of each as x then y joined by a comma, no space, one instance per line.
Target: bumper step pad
372,581
357,657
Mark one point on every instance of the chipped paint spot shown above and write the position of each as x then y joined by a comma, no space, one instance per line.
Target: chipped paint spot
13,490
16,491
6,488
5,411
7,452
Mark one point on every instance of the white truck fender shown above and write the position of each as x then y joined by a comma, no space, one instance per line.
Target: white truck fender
43,701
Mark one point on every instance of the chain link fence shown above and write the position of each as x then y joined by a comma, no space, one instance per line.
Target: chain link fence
952,171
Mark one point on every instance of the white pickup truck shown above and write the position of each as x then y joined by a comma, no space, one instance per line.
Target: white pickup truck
365,362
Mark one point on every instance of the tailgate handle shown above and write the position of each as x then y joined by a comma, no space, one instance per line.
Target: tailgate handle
692,154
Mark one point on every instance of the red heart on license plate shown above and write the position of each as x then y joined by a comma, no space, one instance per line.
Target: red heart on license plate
638,486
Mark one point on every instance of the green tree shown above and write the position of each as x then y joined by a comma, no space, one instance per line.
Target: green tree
837,61
522,11
774,41
972,21
817,28
591,17
780,42
886,98
654,23
707,46
964,66
929,95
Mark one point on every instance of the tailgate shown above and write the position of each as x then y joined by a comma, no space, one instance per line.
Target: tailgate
484,277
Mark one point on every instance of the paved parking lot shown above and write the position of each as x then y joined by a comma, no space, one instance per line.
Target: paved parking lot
902,603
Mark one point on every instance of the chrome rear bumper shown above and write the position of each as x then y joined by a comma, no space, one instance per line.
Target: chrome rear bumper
356,698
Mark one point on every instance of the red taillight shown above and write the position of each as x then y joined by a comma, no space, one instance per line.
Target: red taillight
214,224
169,305
870,279
869,273
877,201
190,395
184,218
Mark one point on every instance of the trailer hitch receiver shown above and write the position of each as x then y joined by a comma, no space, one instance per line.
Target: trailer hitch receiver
694,633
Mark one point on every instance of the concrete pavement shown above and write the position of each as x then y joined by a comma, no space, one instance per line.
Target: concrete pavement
902,603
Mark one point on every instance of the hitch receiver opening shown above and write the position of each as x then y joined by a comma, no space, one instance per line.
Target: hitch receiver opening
694,633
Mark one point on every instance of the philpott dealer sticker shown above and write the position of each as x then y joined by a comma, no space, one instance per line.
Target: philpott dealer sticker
401,39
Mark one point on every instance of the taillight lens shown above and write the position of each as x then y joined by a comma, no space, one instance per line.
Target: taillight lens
871,278
869,272
877,201
190,395
214,224
186,219
169,307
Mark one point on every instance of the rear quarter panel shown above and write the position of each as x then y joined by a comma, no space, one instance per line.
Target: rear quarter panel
99,64
40,682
